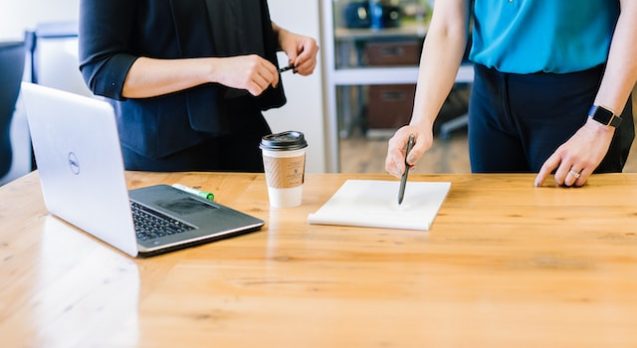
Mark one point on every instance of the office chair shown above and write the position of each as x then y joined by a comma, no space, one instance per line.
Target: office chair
52,63
53,48
12,56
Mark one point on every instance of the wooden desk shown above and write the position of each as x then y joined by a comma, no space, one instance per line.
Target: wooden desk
506,265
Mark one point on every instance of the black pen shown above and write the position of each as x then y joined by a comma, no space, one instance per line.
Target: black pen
289,67
403,179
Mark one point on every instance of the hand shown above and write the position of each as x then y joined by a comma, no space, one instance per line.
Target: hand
301,51
395,161
251,73
576,159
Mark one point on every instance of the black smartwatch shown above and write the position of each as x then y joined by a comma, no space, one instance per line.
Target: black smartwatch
604,116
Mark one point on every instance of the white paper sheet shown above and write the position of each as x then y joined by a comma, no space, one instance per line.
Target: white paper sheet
375,204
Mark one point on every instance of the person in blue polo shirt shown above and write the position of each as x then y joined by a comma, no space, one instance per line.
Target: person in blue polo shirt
551,91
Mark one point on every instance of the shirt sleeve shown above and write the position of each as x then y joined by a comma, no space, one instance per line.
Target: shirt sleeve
105,35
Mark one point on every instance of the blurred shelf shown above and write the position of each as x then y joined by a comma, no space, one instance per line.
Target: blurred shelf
349,72
403,32
389,75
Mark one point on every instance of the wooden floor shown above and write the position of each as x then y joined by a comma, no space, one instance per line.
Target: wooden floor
361,155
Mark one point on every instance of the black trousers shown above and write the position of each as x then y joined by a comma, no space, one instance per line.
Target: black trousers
517,121
236,152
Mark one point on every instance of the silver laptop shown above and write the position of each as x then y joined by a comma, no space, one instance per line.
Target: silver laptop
81,169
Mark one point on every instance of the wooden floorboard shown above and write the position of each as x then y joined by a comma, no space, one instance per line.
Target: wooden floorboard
360,155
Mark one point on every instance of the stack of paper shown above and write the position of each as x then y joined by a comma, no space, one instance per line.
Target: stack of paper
375,204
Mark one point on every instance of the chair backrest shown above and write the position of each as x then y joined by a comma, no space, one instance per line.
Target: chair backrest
12,57
54,57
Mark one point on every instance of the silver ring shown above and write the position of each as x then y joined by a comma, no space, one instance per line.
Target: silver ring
575,174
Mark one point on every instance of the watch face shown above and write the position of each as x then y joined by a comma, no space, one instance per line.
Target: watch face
604,116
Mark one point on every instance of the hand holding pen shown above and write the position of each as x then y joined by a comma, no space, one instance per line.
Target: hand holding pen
395,160
302,51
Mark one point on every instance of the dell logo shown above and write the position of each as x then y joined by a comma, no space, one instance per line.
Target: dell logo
74,163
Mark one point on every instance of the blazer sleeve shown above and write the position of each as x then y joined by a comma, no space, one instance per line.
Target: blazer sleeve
105,37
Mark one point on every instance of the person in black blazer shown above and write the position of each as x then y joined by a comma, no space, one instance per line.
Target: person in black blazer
189,79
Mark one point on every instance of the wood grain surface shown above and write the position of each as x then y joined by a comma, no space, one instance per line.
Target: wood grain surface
505,265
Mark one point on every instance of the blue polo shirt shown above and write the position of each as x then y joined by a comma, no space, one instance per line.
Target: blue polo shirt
557,36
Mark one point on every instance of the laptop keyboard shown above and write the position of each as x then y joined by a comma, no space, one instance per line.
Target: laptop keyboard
151,224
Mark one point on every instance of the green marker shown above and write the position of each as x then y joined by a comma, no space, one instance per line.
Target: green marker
203,194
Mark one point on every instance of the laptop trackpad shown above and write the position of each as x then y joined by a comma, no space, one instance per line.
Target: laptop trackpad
185,206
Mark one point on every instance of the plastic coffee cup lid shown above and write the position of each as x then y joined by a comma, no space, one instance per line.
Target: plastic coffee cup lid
286,141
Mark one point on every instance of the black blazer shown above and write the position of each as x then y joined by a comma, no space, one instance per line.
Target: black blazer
114,33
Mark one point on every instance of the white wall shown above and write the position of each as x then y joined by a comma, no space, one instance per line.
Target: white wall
20,14
304,111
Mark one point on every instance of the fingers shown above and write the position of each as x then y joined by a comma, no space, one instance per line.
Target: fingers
307,49
261,75
306,68
563,171
292,56
269,72
569,172
305,61
572,176
257,85
584,175
394,163
547,169
573,170
576,159
419,149
254,89
271,77
576,174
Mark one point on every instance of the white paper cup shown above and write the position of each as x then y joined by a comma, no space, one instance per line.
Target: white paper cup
284,163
